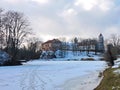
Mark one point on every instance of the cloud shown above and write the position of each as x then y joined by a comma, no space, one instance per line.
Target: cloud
41,1
111,30
82,22
70,11
56,18
47,25
14,1
104,5
86,4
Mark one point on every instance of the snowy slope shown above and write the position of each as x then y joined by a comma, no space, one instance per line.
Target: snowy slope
51,75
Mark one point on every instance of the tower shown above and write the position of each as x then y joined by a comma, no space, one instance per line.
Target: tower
101,43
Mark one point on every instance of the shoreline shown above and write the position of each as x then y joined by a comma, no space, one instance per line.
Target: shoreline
86,82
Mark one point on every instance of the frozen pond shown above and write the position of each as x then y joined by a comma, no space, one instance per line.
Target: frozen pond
51,75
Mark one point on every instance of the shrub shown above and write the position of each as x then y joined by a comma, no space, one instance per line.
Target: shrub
87,59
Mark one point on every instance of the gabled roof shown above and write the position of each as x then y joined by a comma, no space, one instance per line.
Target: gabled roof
51,41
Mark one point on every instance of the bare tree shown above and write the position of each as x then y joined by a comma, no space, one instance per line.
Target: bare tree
34,44
75,45
110,54
1,29
63,46
16,28
88,45
115,40
1,39
30,49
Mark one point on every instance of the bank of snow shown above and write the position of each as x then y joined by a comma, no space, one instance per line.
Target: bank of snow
117,65
76,56
51,75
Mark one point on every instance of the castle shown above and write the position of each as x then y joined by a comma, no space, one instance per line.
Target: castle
84,45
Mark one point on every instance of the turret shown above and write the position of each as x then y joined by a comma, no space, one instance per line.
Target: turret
101,43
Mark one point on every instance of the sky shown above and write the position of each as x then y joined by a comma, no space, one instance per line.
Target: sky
69,18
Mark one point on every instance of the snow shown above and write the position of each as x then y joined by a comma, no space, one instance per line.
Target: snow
117,71
52,75
76,56
4,57
117,63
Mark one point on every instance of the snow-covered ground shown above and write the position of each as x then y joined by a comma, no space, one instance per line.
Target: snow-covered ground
52,75
76,56
117,65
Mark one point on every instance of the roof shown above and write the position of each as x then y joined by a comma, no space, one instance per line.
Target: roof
51,41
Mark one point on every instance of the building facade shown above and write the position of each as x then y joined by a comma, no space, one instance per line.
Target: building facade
51,45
